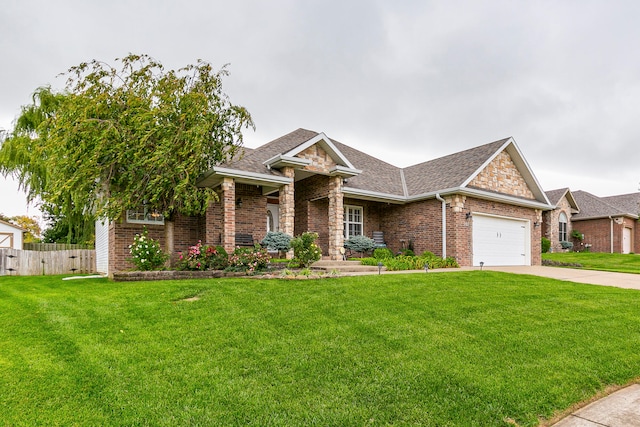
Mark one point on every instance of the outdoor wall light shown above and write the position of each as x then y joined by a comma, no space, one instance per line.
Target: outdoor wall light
536,224
239,203
468,215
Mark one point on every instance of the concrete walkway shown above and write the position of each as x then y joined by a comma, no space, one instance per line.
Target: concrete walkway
619,409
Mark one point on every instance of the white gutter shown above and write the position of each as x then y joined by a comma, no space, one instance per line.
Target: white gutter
444,225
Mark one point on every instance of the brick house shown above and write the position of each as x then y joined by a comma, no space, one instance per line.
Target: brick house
607,224
479,205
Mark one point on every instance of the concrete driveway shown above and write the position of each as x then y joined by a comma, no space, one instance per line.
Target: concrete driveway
620,280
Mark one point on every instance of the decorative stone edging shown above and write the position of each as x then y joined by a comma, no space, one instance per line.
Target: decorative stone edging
136,276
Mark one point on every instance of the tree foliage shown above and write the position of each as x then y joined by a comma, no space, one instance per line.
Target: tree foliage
118,138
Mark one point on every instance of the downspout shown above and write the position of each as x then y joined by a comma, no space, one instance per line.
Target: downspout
611,233
444,225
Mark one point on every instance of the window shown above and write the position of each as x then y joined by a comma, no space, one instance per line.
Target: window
352,221
143,215
562,229
270,222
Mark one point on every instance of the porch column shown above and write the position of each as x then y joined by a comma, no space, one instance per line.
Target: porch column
336,218
229,214
287,206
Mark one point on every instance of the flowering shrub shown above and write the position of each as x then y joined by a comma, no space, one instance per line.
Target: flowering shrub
249,260
203,257
305,249
146,253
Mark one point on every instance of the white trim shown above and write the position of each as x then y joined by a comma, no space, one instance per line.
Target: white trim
281,160
342,170
332,149
405,189
254,176
487,195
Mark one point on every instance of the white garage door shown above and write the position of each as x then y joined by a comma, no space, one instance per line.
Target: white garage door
500,241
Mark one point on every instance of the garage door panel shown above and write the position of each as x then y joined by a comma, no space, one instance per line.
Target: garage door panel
500,241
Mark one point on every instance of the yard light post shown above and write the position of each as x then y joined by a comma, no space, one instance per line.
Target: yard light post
379,268
481,264
426,267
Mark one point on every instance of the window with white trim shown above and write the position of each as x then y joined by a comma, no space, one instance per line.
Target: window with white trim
143,215
353,221
562,227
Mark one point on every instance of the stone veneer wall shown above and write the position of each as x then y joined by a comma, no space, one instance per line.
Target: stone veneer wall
502,176
320,159
551,224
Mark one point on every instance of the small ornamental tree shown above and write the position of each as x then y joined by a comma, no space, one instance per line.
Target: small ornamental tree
305,249
146,253
360,244
277,241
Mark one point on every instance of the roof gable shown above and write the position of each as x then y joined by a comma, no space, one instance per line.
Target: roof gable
508,166
555,196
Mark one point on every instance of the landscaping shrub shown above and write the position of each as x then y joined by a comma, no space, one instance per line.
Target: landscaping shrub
146,253
566,245
546,245
406,262
407,252
250,260
277,241
305,249
371,261
382,253
202,258
360,244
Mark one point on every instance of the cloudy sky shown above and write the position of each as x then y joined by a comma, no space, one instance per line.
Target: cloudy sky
405,80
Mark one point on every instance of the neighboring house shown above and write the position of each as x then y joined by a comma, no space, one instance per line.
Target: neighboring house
556,224
482,205
608,224
11,236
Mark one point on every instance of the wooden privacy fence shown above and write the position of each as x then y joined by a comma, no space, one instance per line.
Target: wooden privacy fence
53,246
34,263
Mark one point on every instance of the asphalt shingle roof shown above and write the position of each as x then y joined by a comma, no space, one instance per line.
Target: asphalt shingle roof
627,202
378,176
554,196
592,206
449,171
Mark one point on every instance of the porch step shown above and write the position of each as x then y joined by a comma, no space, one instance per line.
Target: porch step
344,266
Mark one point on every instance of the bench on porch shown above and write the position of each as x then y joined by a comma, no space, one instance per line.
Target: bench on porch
244,240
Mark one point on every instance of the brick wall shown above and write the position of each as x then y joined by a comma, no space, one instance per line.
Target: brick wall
597,233
419,222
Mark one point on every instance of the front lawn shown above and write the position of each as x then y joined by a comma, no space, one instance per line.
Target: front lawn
621,263
436,349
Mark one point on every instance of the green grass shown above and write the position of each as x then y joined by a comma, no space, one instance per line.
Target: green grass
442,349
621,263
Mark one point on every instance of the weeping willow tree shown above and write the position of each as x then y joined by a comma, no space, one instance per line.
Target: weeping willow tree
116,138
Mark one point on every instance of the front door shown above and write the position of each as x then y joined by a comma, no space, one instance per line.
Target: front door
626,241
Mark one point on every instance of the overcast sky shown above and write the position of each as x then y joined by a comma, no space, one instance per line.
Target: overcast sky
406,81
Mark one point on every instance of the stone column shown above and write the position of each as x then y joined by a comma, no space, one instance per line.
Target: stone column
336,218
229,214
287,206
